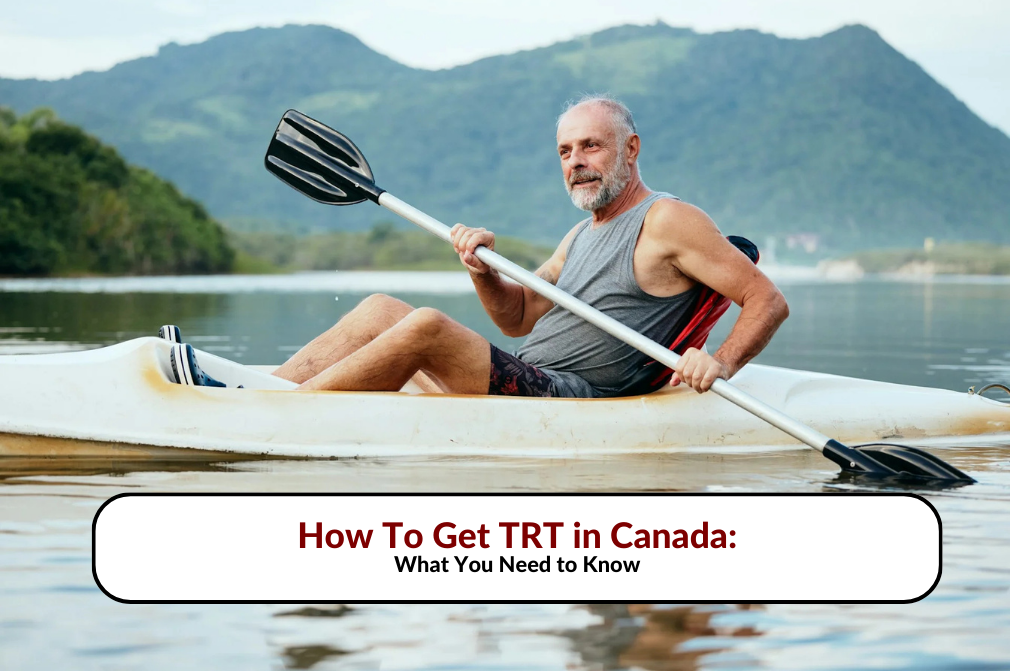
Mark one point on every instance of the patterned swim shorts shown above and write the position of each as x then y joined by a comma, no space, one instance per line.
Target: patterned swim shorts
511,376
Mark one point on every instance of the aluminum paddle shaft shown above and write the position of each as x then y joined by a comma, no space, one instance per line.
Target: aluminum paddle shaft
669,358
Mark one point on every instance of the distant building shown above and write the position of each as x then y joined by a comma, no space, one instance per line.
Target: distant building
769,254
808,242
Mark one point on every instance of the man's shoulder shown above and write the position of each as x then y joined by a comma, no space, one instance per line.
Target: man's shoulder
671,216
667,205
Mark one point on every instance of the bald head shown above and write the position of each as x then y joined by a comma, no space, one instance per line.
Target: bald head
616,113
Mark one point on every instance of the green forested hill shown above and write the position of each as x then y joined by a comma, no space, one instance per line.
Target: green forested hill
69,204
839,135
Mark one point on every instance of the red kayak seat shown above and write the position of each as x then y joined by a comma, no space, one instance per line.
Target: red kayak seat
709,307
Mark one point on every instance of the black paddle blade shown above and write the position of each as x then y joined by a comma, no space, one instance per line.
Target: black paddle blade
912,461
319,162
893,461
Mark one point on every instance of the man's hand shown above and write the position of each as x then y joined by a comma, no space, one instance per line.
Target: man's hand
699,370
465,240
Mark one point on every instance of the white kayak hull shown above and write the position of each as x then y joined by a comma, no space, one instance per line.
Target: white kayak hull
123,395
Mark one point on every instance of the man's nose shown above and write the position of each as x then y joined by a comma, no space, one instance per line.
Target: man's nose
576,159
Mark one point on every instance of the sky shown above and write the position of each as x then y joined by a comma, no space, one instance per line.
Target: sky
963,44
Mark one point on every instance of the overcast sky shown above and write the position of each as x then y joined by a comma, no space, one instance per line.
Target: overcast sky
964,44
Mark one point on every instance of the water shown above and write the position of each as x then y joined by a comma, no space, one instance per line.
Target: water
950,334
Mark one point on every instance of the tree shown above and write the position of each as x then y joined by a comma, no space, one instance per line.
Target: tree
69,203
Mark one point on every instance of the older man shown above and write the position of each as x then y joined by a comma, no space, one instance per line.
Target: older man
642,258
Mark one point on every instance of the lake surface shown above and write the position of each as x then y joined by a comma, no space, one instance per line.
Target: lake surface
952,333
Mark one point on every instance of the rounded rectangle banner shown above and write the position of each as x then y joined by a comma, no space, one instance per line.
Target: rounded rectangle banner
402,548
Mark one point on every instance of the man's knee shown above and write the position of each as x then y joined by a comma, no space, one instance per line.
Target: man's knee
381,304
426,324
380,301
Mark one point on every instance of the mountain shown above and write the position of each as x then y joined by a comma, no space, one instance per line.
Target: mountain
838,135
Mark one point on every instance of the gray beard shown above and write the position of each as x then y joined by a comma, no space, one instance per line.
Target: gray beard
612,183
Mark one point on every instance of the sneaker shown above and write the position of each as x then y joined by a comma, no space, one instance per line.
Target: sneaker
187,371
170,333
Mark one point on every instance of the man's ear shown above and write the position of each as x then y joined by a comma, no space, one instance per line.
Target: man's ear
633,147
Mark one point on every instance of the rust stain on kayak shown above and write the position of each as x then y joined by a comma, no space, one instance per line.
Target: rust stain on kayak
20,445
152,375
990,422
24,457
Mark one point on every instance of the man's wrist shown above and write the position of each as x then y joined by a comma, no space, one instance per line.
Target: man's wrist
729,365
490,277
492,274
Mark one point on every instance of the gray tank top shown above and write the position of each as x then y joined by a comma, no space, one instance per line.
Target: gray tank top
582,360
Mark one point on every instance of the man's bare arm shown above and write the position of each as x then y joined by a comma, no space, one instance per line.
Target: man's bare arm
512,307
760,317
700,251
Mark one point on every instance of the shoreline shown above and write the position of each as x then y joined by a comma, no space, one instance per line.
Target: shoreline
418,281
933,259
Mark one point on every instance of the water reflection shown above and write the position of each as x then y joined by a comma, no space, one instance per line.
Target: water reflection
797,470
307,656
257,328
602,637
43,456
101,318
340,610
17,469
653,637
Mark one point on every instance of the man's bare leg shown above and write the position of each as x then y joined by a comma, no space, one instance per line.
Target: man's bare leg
357,328
455,357
426,384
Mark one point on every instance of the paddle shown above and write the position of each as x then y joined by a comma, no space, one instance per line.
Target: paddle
325,165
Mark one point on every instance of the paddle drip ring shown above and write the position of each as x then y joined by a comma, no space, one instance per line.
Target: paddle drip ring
995,385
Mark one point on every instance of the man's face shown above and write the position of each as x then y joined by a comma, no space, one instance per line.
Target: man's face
594,164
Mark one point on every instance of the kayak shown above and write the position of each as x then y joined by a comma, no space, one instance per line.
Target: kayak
123,394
